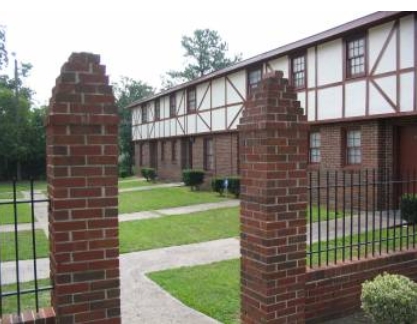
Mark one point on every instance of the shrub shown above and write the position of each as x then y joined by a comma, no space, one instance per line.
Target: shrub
234,186
408,207
123,172
217,184
193,178
148,173
390,299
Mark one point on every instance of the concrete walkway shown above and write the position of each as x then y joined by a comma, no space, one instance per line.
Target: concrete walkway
151,187
142,300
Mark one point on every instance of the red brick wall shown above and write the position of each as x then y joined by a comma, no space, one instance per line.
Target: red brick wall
273,137
82,155
333,292
333,152
225,154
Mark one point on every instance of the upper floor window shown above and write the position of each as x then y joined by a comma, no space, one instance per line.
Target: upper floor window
172,105
144,113
355,57
315,144
353,147
298,68
191,99
157,109
254,77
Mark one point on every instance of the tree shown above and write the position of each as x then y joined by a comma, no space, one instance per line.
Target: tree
22,140
206,53
3,51
126,92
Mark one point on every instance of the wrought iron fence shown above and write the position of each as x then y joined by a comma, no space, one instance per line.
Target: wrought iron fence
356,214
20,285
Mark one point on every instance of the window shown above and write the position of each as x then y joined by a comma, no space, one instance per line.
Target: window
173,150
172,105
191,99
353,147
208,154
315,143
298,68
355,57
157,109
144,114
254,77
163,151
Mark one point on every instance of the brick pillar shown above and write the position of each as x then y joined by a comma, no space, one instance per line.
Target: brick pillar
273,148
82,185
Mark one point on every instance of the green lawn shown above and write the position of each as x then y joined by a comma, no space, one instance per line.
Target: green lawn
211,289
388,243
130,202
7,214
7,243
9,304
214,289
178,230
322,212
135,183
6,188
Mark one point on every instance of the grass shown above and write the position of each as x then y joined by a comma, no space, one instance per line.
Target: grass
178,230
7,214
315,211
385,240
9,304
211,289
130,202
6,188
135,183
8,249
214,289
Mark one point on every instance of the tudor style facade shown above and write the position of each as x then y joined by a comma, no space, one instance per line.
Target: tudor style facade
356,82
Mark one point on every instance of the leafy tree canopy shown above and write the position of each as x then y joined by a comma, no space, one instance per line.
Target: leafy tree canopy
206,52
127,91
22,140
3,51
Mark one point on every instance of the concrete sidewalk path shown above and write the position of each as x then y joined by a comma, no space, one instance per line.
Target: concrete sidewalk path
143,301
151,187
178,210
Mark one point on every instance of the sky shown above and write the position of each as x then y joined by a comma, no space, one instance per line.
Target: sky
142,39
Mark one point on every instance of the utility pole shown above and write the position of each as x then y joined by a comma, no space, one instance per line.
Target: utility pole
17,117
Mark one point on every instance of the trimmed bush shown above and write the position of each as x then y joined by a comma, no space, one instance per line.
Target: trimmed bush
217,184
390,299
148,173
123,172
193,178
408,207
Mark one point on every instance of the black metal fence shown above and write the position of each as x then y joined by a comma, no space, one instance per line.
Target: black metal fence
356,214
20,234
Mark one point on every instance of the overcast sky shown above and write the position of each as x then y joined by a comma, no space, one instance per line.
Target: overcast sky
141,39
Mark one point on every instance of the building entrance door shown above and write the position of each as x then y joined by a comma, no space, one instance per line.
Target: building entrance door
407,158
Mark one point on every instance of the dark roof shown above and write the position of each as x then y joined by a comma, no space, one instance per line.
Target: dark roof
360,23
